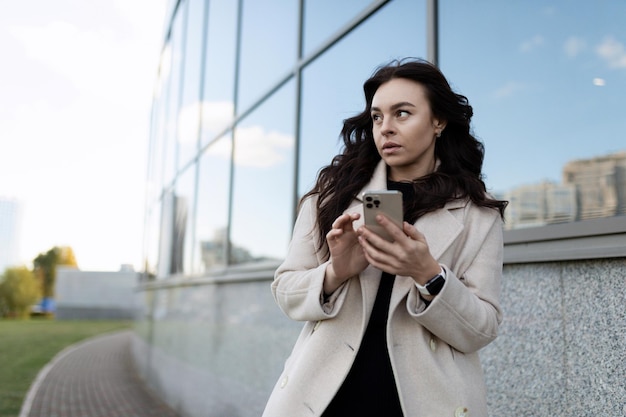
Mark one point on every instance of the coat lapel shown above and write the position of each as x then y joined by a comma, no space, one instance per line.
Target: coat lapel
440,227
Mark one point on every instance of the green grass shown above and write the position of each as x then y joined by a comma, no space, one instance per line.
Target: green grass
26,346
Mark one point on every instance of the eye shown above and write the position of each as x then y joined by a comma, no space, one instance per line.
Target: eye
402,113
376,117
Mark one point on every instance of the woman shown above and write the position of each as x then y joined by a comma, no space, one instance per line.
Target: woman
394,328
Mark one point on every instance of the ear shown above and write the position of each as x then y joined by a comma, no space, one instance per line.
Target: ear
439,125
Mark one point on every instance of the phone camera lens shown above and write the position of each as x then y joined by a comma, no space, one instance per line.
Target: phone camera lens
368,198
369,205
377,203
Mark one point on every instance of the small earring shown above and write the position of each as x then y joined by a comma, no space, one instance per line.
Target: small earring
438,134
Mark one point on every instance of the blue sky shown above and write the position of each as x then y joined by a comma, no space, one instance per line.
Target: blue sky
546,80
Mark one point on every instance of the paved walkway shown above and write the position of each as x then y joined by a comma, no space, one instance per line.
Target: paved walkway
95,378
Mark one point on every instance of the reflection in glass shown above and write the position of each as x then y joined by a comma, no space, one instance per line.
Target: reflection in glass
166,233
157,128
320,25
184,218
263,183
173,228
547,91
268,46
332,85
172,97
219,71
189,112
151,242
212,208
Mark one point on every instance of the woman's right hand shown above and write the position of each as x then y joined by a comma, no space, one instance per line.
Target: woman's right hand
346,254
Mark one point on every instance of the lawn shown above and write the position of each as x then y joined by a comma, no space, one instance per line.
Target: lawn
26,346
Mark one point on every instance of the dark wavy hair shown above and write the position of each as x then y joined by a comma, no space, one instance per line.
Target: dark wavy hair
458,176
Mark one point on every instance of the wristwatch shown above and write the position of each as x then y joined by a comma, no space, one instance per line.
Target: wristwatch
434,285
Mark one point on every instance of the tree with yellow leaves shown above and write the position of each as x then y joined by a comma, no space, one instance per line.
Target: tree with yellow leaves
45,267
19,290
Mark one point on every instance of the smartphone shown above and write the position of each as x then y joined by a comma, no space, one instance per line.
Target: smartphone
387,202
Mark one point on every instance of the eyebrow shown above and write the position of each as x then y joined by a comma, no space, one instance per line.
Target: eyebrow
395,106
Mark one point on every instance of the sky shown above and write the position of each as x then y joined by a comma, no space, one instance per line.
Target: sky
77,81
76,86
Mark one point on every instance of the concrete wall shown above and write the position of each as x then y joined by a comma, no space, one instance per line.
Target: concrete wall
95,294
219,345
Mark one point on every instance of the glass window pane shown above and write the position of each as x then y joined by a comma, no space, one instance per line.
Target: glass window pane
263,180
189,112
166,234
212,208
219,71
183,221
546,82
151,242
268,46
320,25
173,98
155,155
333,85
159,132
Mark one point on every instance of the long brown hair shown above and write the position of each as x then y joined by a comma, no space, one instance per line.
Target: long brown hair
458,176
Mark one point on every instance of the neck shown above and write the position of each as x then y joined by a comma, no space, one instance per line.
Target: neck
412,173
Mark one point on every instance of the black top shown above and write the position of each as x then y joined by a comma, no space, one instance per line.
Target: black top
370,387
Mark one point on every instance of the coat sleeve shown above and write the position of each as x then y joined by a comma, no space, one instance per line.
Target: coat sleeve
466,314
299,280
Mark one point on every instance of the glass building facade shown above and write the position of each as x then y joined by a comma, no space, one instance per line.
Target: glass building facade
248,106
251,95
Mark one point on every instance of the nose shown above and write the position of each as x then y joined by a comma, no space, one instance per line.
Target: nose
386,127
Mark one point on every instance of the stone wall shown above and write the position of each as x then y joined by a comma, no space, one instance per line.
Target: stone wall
220,346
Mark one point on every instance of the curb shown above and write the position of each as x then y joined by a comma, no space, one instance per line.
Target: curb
34,388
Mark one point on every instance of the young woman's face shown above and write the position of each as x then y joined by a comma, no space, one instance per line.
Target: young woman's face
404,129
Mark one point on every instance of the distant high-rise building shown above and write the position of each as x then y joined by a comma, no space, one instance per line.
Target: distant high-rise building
540,204
600,185
591,188
10,222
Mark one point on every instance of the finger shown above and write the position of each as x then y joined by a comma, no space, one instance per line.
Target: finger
334,234
341,221
411,231
376,258
372,238
396,232
345,220
377,248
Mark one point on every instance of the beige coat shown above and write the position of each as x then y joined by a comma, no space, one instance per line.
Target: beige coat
433,351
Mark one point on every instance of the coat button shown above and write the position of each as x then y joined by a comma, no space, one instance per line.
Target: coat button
433,344
461,412
283,382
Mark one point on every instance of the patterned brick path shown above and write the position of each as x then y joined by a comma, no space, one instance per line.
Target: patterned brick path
93,379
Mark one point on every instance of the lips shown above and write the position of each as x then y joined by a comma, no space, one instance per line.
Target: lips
390,147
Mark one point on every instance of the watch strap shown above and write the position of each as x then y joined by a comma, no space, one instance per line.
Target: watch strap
433,286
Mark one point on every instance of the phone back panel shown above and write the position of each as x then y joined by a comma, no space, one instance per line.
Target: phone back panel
387,202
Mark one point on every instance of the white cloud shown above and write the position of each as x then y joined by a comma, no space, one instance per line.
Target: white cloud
508,90
574,46
599,82
532,43
613,52
255,147
216,116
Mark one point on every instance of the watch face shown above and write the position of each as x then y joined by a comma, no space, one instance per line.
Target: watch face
435,285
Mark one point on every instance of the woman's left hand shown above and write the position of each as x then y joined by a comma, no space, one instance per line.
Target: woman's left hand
407,255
